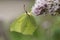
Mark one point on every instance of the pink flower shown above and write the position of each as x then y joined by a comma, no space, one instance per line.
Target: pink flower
44,6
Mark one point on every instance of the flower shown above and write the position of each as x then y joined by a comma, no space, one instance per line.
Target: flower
44,6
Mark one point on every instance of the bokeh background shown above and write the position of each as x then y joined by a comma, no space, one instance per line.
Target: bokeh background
11,9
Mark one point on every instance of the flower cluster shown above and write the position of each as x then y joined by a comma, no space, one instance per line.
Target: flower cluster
45,6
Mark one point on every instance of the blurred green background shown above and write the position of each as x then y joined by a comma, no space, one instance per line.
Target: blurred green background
11,9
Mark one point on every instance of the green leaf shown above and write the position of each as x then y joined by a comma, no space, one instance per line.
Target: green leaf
25,24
